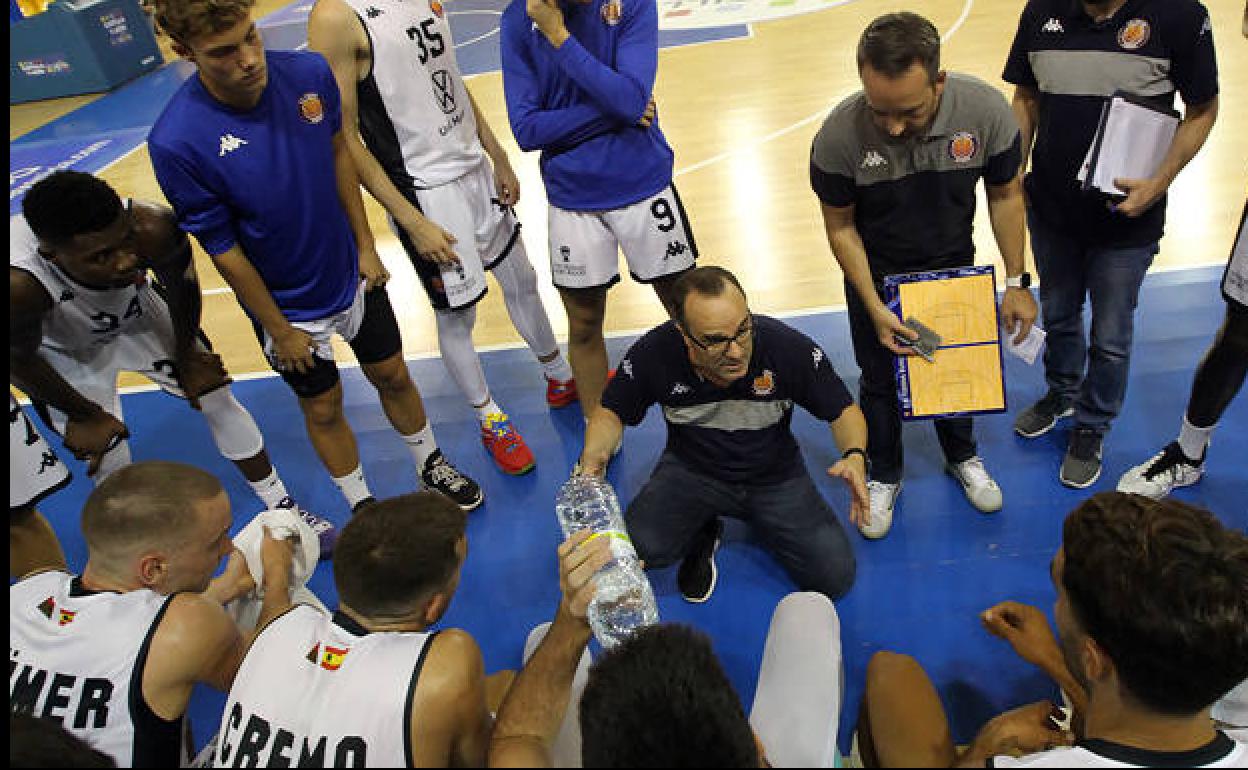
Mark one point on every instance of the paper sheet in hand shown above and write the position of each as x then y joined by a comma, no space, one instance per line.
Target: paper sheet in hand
966,376
1130,143
1030,347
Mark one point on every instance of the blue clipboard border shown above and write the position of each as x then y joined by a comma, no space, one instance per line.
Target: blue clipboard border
901,364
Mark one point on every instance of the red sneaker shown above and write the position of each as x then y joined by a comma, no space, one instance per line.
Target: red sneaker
560,393
504,444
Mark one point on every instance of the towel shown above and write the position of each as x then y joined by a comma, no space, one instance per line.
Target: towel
283,523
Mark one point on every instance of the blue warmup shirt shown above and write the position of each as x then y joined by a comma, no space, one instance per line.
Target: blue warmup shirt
580,104
264,179
739,434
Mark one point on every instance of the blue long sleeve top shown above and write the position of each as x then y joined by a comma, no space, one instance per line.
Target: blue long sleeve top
579,104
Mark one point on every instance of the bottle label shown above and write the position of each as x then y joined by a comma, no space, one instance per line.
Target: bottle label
615,533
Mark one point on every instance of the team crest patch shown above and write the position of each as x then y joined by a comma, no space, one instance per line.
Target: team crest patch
764,384
66,617
1134,34
332,657
612,10
963,146
314,654
436,7
311,109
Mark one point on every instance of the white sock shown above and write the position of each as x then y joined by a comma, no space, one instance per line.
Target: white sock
270,489
557,368
488,408
421,444
1193,440
353,486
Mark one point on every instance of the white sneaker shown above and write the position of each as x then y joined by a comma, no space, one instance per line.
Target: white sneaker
880,515
1166,471
979,487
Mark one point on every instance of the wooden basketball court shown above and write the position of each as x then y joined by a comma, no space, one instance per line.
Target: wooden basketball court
740,114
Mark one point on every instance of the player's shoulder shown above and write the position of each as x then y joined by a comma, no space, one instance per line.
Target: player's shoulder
842,128
781,341
515,16
978,96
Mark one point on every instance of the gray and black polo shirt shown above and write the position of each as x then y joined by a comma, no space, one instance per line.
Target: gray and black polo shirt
914,200
1148,48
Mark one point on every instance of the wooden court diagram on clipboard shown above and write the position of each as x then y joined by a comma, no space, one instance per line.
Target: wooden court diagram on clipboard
967,374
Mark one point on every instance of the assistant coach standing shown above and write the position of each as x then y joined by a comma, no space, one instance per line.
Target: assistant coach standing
895,166
1066,58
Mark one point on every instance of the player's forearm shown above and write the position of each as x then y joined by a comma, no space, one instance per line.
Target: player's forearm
849,431
1008,214
621,94
533,710
379,185
276,599
601,435
185,307
1190,136
851,255
489,142
1026,106
349,194
251,291
35,377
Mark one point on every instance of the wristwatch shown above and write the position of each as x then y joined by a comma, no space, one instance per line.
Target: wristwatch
1022,281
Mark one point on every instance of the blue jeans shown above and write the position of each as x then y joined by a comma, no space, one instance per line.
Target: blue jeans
1090,373
792,519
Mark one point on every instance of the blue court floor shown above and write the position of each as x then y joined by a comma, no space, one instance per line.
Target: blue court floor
918,591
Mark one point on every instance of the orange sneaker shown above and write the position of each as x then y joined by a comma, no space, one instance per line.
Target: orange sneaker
506,446
560,393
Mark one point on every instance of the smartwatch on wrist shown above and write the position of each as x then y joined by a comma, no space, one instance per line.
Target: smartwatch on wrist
1021,281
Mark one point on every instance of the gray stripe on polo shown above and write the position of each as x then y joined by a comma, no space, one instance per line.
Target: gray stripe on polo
730,415
1100,73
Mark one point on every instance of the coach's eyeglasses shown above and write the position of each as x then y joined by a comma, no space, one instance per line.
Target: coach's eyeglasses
718,344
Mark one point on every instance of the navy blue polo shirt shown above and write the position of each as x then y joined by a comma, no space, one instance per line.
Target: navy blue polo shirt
740,433
1149,48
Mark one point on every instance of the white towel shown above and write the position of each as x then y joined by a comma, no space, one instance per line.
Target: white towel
283,523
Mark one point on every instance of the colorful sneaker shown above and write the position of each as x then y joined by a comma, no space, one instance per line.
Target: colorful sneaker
439,475
325,530
1168,470
560,393
505,445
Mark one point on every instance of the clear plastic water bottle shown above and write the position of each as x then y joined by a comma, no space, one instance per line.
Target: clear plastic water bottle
624,600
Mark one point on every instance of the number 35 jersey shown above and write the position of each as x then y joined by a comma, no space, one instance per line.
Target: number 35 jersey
414,111
83,322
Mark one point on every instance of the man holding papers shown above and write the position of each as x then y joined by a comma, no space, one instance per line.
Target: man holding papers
895,167
1067,58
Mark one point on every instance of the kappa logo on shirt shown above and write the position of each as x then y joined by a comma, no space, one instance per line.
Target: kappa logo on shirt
817,356
626,367
230,143
873,159
1054,24
681,389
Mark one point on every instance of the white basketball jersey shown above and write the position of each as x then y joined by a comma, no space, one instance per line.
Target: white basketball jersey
83,320
34,469
1225,751
77,657
414,111
316,691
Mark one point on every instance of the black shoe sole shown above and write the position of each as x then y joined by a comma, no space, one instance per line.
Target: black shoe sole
710,589
1084,485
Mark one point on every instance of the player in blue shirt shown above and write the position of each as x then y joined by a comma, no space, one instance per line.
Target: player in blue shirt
579,82
251,154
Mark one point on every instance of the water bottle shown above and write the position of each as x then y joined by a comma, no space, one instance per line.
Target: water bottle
624,600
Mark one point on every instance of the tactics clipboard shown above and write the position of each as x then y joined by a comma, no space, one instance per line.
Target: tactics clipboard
968,374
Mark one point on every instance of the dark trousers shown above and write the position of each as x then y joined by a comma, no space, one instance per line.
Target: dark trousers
877,396
1221,372
791,518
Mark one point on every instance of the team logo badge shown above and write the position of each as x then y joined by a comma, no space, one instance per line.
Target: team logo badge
1134,34
436,7
311,109
332,657
963,146
612,10
47,607
764,384
66,617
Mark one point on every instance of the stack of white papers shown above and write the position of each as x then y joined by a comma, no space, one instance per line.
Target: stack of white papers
1130,143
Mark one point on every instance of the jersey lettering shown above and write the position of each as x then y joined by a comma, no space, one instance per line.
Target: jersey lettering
28,685
258,745
436,45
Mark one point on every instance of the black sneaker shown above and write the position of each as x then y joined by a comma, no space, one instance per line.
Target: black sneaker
697,575
1039,418
1082,465
440,476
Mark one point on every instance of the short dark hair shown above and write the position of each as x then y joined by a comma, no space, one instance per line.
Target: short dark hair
894,42
395,554
1162,587
709,281
661,699
69,203
41,742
